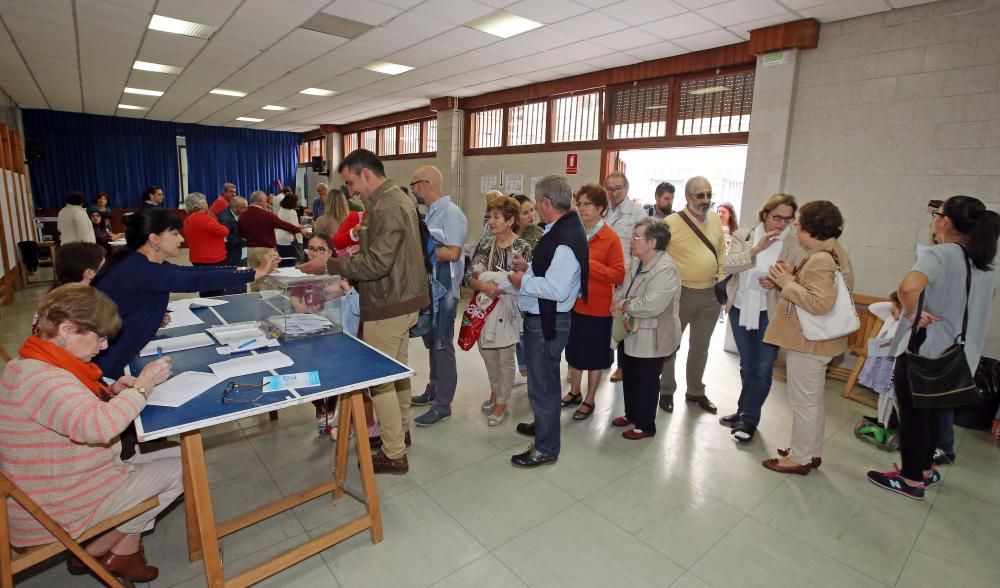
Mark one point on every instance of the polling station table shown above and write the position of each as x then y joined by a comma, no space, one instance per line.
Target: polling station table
346,366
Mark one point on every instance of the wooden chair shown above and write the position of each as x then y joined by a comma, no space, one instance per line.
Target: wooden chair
4,355
857,345
14,562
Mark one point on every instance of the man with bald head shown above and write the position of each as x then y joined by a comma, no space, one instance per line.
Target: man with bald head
448,227
698,247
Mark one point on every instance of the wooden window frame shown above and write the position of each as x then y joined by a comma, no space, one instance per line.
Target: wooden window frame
379,131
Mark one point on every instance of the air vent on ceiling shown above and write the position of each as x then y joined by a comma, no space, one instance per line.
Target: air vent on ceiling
336,26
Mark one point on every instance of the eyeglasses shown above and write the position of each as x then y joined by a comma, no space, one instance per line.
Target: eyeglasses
583,203
782,219
703,195
937,213
614,188
414,183
231,395
317,250
639,238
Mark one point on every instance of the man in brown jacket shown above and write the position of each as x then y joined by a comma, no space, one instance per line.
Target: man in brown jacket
392,284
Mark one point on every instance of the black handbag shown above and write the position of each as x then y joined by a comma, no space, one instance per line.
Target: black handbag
945,381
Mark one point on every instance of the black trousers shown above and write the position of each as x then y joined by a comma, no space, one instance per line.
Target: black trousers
641,387
917,429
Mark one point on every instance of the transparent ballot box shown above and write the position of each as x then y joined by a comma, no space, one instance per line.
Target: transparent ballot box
295,305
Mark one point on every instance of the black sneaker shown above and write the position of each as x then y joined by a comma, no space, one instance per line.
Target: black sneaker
422,399
934,479
942,458
743,432
894,482
730,420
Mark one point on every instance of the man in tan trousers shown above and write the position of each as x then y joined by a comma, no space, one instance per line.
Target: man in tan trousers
392,284
698,247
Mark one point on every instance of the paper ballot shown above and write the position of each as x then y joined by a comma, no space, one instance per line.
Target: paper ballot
182,317
290,381
250,364
172,344
181,388
194,303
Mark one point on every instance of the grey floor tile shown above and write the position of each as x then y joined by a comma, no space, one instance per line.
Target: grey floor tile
962,518
937,561
485,572
762,556
579,548
496,502
240,497
689,580
445,448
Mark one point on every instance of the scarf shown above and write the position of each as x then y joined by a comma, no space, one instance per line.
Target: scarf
45,351
752,297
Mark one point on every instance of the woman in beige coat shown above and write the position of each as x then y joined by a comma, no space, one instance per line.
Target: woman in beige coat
751,298
810,287
648,302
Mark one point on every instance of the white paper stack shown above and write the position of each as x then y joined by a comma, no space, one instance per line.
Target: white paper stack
298,325
181,388
250,364
172,344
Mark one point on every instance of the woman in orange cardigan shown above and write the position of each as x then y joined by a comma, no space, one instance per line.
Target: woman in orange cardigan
590,323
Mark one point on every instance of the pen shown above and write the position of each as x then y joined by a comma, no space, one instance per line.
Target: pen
159,352
247,344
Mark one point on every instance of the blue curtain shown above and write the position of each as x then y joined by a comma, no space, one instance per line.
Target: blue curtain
122,156
90,154
251,159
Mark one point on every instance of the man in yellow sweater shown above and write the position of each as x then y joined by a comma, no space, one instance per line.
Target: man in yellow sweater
698,247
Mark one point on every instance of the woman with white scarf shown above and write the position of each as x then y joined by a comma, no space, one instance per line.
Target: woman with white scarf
751,296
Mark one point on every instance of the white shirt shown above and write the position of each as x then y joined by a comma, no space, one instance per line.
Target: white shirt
74,225
622,220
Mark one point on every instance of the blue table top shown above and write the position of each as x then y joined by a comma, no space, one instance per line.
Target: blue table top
343,362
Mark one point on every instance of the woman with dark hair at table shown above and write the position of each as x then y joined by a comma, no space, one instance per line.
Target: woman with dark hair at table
60,428
102,205
289,244
139,279
966,234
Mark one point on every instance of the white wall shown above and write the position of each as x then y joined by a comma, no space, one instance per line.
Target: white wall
401,170
891,110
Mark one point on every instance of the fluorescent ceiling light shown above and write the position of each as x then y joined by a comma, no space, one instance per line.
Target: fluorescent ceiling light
131,107
157,67
274,107
224,92
142,92
317,92
708,90
249,119
503,24
180,27
386,67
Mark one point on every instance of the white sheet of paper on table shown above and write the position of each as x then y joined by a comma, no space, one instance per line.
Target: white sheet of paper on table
194,303
237,332
250,364
183,318
181,388
237,346
172,344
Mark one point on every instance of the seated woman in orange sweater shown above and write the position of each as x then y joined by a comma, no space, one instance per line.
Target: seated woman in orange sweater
590,324
59,427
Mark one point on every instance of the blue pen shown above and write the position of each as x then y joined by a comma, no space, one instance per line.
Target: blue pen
159,352
247,344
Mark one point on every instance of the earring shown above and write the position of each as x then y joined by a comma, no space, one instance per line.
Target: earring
62,343
156,248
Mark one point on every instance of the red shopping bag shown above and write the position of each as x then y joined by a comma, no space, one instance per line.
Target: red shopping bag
473,321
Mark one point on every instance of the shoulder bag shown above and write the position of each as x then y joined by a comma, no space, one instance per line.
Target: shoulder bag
945,381
842,319
720,287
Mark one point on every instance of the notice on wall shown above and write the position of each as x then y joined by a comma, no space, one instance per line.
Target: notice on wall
514,183
534,182
487,183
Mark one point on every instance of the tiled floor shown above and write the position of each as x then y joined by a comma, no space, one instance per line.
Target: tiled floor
686,508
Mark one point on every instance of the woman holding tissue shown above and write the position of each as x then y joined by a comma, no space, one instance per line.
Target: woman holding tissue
490,265
590,321
750,300
60,427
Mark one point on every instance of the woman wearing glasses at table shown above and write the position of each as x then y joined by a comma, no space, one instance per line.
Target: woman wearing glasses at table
60,427
751,297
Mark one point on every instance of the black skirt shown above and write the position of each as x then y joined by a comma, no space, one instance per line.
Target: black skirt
589,346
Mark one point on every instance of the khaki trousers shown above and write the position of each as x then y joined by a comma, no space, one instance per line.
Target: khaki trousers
500,365
157,473
392,401
806,377
254,257
700,309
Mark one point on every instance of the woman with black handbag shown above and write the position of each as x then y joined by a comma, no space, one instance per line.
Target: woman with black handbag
950,290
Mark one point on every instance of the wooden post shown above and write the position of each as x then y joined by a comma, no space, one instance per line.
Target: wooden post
196,491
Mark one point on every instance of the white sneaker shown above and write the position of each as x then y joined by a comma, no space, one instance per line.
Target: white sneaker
494,420
519,379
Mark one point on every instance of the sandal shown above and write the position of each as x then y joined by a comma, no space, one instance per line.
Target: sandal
573,400
579,415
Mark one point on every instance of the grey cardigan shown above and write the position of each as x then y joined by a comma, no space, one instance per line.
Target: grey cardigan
653,300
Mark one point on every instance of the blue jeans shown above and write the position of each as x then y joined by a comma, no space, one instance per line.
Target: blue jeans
756,364
544,383
522,365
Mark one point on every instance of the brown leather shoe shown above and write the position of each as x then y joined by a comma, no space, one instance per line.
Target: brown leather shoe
667,403
384,465
616,376
816,461
702,401
773,465
131,567
376,441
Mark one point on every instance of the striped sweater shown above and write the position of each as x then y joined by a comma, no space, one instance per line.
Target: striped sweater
59,444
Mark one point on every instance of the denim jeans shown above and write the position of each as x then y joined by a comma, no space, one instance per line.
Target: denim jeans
756,364
544,383
522,365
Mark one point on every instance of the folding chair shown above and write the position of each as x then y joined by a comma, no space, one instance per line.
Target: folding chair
13,562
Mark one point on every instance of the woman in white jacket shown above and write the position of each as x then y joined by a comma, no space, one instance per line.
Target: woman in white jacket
73,222
647,303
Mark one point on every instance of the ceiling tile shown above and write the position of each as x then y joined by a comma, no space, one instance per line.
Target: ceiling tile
509,49
466,38
709,40
575,69
637,12
418,25
424,53
844,9
388,40
452,11
404,4
209,13
545,38
148,80
682,25
160,47
627,39
547,11
737,11
589,25
582,50
696,4
743,29
614,60
657,51
800,4
597,3
365,11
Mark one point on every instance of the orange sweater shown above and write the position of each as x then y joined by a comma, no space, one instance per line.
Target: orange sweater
607,270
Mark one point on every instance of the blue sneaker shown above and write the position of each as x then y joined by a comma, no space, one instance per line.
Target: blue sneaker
934,479
421,399
431,418
893,482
